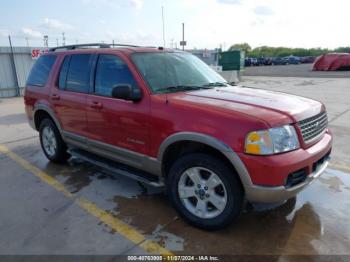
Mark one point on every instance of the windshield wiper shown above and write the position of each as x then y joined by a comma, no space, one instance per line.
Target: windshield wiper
183,87
216,84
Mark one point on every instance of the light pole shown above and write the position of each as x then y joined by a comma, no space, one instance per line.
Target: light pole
46,41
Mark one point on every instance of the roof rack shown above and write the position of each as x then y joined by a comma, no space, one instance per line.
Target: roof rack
79,46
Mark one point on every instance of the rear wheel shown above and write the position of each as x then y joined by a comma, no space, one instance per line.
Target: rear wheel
205,191
51,142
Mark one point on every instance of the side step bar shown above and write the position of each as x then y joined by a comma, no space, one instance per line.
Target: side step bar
117,168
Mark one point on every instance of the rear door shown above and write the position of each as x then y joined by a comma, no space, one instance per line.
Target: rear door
69,96
116,122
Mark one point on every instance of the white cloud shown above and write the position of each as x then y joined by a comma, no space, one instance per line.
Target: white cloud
54,24
263,10
4,32
136,4
230,2
30,33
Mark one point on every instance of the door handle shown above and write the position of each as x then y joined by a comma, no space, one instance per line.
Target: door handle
55,97
96,105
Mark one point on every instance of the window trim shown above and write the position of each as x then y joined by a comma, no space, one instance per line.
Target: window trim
59,73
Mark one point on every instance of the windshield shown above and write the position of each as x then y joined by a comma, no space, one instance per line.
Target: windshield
175,71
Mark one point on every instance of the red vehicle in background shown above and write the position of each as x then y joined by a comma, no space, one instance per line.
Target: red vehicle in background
165,118
332,62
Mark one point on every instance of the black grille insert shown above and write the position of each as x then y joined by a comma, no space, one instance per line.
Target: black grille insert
296,178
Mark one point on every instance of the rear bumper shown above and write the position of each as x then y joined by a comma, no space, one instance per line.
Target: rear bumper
275,194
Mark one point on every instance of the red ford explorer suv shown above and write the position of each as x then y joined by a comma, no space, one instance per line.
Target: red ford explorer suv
165,118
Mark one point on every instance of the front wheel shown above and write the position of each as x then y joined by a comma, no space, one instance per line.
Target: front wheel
205,191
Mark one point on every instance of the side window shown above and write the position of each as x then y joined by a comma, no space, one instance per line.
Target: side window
111,71
78,76
41,69
63,73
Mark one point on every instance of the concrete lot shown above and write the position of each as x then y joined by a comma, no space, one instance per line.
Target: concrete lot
97,213
303,70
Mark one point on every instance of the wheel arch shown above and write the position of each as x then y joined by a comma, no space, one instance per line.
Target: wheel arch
181,140
43,111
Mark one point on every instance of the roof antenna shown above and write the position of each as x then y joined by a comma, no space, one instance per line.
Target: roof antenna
163,27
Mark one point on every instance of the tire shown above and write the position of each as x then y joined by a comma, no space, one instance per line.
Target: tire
51,142
230,189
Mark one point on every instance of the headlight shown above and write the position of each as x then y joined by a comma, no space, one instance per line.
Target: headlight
272,141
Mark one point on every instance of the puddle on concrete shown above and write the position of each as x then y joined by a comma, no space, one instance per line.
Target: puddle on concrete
169,241
334,180
145,212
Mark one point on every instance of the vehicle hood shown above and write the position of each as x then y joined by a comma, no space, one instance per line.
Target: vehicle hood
275,108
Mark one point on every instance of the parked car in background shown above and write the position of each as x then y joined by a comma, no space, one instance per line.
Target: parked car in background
268,61
247,62
307,59
254,61
292,60
278,61
261,61
264,61
250,61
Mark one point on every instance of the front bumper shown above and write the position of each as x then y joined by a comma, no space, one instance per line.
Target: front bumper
269,174
275,194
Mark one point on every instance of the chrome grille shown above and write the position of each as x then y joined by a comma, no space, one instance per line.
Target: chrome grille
314,126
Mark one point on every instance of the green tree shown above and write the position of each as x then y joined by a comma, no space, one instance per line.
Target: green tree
243,46
342,49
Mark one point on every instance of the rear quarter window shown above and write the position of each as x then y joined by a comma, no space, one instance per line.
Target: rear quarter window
40,71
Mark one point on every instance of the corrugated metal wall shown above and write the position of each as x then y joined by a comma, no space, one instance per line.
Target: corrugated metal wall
23,63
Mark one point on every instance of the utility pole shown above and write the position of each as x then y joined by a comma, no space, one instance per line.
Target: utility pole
183,42
113,43
63,39
183,35
15,77
56,41
27,41
46,41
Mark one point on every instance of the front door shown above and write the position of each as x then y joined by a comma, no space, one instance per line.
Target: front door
116,124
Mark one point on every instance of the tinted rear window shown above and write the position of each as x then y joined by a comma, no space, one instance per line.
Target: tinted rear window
78,77
40,71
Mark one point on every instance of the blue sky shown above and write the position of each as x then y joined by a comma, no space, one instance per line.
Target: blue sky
209,23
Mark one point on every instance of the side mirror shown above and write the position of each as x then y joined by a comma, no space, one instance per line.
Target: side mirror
126,92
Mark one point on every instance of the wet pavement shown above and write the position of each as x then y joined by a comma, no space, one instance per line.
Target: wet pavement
36,219
315,222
